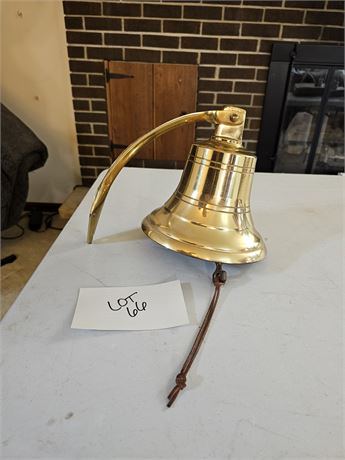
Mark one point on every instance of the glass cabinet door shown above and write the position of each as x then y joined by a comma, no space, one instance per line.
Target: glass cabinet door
329,154
312,137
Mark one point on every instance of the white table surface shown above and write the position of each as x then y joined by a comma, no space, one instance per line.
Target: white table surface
268,382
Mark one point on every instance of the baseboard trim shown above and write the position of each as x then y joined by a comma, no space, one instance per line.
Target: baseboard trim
44,207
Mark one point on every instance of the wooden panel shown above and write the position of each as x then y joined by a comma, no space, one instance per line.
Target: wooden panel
130,108
175,91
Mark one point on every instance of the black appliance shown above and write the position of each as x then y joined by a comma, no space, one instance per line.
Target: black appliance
302,128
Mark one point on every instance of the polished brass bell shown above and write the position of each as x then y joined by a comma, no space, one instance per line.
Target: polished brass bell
208,216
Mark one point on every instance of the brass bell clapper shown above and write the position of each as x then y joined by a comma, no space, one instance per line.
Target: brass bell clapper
208,216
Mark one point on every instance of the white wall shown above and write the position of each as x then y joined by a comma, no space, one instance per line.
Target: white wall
36,87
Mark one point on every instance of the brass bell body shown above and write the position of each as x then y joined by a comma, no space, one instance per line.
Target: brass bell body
208,216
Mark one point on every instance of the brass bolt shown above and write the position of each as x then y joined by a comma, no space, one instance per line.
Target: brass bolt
234,117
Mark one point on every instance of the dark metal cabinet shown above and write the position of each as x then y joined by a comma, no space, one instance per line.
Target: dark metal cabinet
302,129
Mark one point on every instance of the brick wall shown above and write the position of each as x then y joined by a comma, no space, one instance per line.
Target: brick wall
230,41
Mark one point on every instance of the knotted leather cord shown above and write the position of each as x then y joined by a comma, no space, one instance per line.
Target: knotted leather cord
218,278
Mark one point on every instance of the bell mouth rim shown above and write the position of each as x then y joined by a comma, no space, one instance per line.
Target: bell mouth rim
198,252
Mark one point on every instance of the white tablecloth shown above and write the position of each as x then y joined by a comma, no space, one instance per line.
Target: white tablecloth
268,381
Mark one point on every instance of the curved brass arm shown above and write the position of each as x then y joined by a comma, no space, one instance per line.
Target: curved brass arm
213,116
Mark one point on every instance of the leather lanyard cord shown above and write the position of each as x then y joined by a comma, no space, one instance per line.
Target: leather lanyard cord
218,278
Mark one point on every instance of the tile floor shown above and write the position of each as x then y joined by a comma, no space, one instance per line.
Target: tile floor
30,250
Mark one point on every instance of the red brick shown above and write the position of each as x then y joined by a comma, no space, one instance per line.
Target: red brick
206,72
83,128
283,16
311,32
109,54
243,14
261,74
238,44
180,57
160,41
218,58
305,5
162,11
205,97
73,22
134,54
262,3
84,8
250,135
121,9
88,92
335,5
199,43
202,12
91,117
261,60
221,2
84,37
250,87
253,112
215,85
85,150
143,25
81,104
100,106
260,30
325,18
220,28
102,24
182,27
96,80
333,34
93,139
78,79
100,129
258,100
266,45
86,66
75,51
237,73
232,99
102,151
255,124
122,39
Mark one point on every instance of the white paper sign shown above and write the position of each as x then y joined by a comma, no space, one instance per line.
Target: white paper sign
131,308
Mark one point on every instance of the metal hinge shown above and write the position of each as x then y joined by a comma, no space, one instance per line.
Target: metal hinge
109,75
117,146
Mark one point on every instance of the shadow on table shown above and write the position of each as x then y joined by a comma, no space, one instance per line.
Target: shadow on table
129,235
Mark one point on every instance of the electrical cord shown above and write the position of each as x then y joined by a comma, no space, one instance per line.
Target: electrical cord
48,222
47,225
22,229
14,237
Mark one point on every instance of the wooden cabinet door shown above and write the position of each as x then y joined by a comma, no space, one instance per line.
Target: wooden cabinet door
142,96
174,94
130,109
